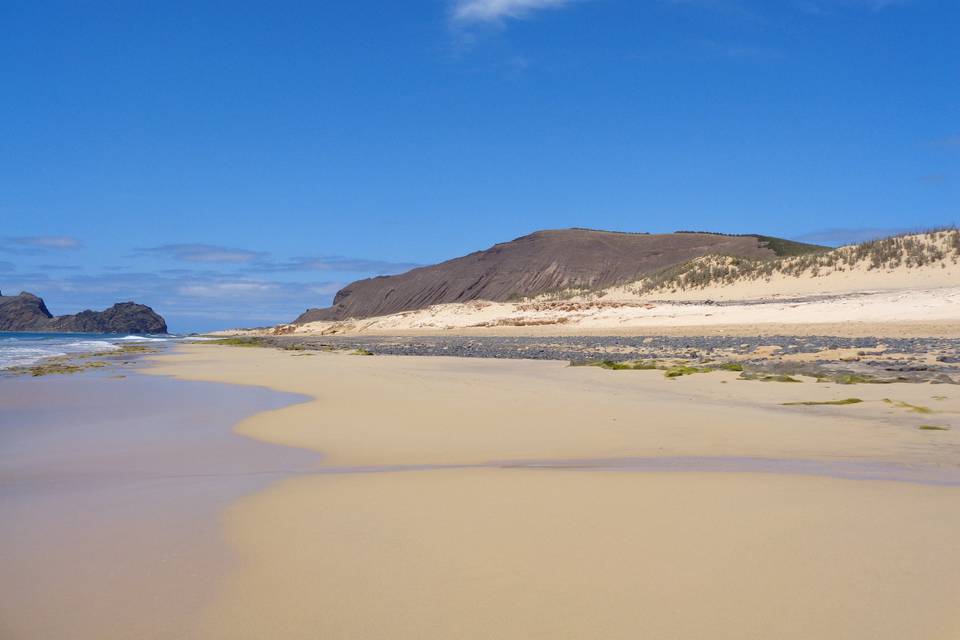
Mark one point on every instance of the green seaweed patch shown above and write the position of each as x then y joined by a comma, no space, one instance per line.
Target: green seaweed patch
852,378
121,350
361,352
933,427
766,377
817,403
684,370
615,365
238,342
670,371
939,397
859,378
729,366
58,368
916,408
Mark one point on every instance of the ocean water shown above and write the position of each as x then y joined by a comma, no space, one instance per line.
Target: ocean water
22,349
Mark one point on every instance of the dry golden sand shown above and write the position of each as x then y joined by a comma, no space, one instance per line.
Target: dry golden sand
913,312
547,553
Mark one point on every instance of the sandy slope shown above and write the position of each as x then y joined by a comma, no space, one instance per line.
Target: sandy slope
548,553
877,313
856,279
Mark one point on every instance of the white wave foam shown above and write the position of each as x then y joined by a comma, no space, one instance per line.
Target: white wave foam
92,345
144,339
25,356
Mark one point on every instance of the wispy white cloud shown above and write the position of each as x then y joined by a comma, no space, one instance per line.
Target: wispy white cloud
254,262
880,4
195,286
494,11
188,299
340,263
227,289
202,253
38,244
826,7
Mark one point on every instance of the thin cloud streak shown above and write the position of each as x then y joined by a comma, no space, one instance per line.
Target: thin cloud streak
342,264
38,244
202,253
261,261
495,11
828,7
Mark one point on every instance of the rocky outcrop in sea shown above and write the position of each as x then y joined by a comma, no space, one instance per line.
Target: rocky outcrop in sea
27,312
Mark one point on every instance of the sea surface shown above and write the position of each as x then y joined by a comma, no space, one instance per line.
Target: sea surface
23,349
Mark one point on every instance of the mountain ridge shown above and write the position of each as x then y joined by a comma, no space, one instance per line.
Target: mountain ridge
542,262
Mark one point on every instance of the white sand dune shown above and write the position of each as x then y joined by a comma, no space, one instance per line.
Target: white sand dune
908,286
920,311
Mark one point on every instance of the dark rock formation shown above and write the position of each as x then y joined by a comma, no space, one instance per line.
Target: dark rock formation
22,312
541,262
27,312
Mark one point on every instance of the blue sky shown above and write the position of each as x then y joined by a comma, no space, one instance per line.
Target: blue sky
235,163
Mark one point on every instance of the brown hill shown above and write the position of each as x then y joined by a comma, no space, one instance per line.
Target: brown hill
542,262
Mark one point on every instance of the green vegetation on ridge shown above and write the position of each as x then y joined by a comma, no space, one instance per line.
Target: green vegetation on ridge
794,259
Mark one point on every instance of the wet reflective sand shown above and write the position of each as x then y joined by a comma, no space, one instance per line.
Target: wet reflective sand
111,491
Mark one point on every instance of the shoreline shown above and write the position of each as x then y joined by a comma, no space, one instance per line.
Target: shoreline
476,552
716,395
113,488
84,352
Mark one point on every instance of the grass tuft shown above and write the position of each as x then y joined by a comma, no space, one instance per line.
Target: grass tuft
916,408
684,370
932,427
730,366
815,403
766,377
930,248
615,365
237,342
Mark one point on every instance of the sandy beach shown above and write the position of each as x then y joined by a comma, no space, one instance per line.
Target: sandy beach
112,487
490,498
480,320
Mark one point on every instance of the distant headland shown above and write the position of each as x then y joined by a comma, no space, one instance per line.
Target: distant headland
27,312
